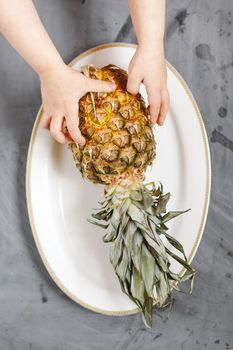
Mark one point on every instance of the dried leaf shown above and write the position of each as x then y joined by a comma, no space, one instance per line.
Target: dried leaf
136,195
98,224
147,312
175,244
101,215
147,270
163,289
147,200
136,249
172,214
137,286
161,205
121,268
162,261
125,285
125,205
180,260
136,214
157,272
116,251
124,222
115,218
129,235
110,236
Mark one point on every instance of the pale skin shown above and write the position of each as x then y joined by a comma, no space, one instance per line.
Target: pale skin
62,86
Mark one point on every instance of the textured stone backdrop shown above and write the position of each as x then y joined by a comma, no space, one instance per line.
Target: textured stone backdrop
34,313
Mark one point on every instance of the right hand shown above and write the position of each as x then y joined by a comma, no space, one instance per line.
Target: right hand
61,89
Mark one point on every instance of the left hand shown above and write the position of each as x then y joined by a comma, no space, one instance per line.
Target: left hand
148,66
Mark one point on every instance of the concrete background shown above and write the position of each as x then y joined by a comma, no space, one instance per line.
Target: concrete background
34,313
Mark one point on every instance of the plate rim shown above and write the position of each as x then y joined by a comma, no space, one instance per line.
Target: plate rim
28,188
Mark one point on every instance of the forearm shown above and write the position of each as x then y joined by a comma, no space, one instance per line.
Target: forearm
21,25
148,18
148,64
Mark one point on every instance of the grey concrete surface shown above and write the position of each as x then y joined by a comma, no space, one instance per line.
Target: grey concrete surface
34,313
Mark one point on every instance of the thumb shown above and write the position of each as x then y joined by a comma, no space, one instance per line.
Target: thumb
94,85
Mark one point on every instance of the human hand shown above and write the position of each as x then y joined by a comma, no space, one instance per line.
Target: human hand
61,89
148,66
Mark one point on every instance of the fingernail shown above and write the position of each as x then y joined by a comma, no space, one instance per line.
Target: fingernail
161,123
80,143
112,86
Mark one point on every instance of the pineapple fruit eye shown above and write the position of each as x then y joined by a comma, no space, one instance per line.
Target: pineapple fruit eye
102,137
139,145
110,154
134,127
126,112
116,123
89,131
107,106
121,139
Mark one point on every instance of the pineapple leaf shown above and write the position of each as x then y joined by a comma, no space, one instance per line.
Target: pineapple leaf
136,195
174,276
172,214
162,262
98,224
101,215
136,214
121,268
147,312
147,200
110,236
125,285
181,261
136,249
147,270
161,205
175,244
163,289
129,233
158,273
116,251
115,218
163,226
137,286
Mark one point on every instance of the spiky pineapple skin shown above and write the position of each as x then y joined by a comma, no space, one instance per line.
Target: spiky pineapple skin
119,138
119,146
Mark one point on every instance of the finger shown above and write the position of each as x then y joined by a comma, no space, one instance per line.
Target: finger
133,83
95,85
164,107
72,122
45,121
65,130
154,100
56,129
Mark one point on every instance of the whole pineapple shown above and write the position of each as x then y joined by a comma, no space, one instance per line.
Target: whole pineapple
119,147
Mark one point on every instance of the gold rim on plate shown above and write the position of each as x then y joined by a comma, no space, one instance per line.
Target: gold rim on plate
28,191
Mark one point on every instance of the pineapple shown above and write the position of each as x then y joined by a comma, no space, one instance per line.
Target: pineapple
120,145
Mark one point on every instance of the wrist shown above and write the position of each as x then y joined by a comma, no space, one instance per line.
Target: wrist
51,68
152,49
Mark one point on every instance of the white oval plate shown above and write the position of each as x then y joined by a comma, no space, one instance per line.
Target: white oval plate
59,201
